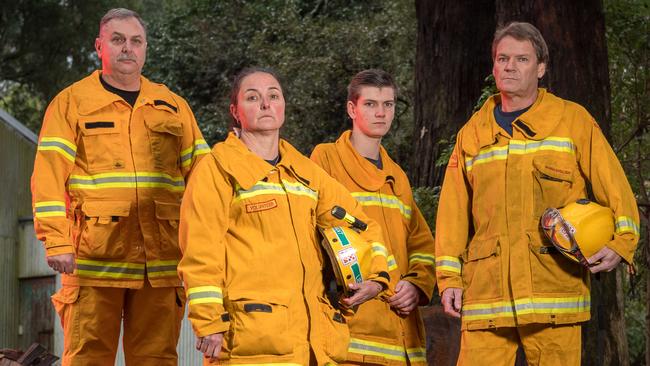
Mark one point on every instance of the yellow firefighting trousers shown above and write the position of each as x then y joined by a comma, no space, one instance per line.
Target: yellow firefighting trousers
544,345
91,318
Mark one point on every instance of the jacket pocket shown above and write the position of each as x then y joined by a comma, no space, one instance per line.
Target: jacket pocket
481,271
553,180
102,143
259,328
168,216
104,229
66,305
552,272
336,335
165,133
63,298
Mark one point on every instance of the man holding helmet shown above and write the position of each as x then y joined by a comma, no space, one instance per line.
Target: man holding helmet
523,152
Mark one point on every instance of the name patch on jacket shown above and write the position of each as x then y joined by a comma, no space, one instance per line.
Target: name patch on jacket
261,206
102,124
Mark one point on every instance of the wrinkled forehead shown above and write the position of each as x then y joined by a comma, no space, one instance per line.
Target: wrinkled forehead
129,27
510,45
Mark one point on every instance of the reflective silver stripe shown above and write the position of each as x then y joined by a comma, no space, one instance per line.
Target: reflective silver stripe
49,209
518,147
205,295
375,348
392,264
626,224
161,268
298,188
59,145
419,257
200,147
563,144
62,146
137,179
262,187
383,200
109,269
447,263
416,354
527,306
113,270
492,154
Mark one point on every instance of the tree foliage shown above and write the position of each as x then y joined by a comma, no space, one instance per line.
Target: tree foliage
316,47
45,45
196,46
628,41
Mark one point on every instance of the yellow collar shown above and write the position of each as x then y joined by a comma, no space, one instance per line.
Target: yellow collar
363,172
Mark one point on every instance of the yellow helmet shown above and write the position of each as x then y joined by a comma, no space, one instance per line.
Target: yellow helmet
579,229
349,253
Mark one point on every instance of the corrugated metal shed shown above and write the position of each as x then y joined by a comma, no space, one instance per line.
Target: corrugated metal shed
17,151
25,275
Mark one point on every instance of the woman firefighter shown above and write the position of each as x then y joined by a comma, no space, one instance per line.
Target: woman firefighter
252,265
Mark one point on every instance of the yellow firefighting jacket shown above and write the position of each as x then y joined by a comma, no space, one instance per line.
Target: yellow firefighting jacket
108,181
488,238
251,260
377,334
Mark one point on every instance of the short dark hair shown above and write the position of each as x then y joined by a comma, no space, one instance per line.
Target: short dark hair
522,31
236,85
370,77
121,13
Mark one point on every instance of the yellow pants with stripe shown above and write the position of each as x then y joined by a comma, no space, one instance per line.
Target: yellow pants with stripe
91,319
543,344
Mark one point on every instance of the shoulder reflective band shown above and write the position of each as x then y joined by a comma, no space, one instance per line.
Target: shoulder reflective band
205,295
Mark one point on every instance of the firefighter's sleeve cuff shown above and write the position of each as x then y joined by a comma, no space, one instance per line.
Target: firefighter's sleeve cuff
449,282
382,278
58,249
622,249
220,325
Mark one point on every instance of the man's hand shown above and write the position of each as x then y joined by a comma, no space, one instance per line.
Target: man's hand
452,301
406,298
363,292
210,345
62,263
608,258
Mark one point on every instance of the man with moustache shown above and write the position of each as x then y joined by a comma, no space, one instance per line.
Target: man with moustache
114,153
524,151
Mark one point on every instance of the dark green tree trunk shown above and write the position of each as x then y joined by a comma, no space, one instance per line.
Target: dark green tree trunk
452,60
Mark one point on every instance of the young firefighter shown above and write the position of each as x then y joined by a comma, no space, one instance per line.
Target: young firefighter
391,332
